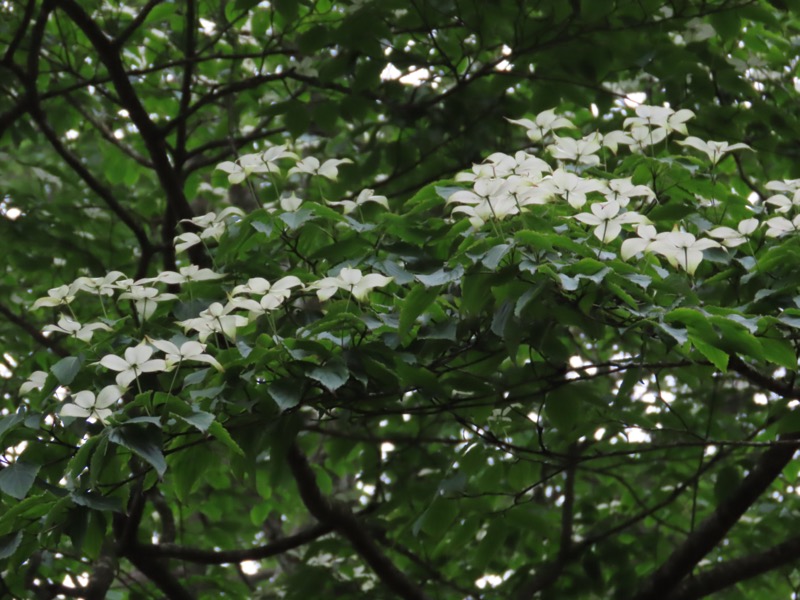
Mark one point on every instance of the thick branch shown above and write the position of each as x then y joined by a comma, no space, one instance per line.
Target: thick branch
349,527
734,571
211,557
714,528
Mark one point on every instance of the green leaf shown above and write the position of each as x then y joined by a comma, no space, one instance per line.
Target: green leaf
144,441
9,544
66,369
96,501
199,419
221,434
413,305
333,374
286,393
716,356
780,352
16,479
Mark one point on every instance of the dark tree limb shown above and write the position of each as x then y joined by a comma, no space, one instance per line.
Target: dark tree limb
734,571
348,526
28,328
716,526
211,557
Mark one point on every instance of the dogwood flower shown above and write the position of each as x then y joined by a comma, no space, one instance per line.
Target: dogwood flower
185,274
88,406
272,294
215,319
632,246
352,280
244,166
623,190
544,123
57,296
780,226
783,203
787,186
682,249
137,361
583,151
493,208
363,197
607,221
290,203
101,286
568,186
644,137
190,350
613,139
735,237
213,226
660,117
74,329
714,150
145,299
312,166
35,381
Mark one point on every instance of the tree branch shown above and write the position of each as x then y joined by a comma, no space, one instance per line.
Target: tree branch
346,524
734,571
714,528
212,557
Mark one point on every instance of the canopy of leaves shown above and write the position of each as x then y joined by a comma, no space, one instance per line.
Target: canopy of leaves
322,299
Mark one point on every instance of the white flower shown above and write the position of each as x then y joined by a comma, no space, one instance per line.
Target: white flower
682,249
644,136
613,139
186,274
74,329
190,350
735,237
607,221
86,405
215,319
276,153
568,186
312,166
272,294
213,226
583,151
780,226
102,286
714,150
632,246
787,186
544,123
137,361
363,197
145,299
622,190
783,203
493,208
290,203
58,296
349,279
35,381
660,117
244,166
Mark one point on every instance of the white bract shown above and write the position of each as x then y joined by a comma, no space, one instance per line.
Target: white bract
735,237
137,361
290,203
215,319
544,123
312,166
57,296
86,405
102,286
185,274
363,197
783,203
74,329
660,117
190,350
352,280
568,186
36,381
145,299
244,166
583,151
780,226
714,150
272,295
623,190
682,249
607,220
